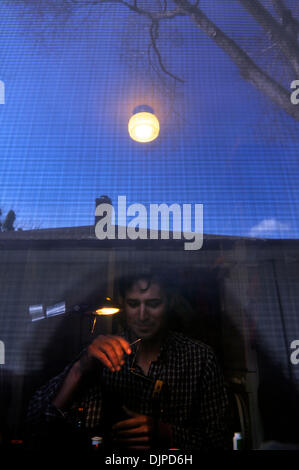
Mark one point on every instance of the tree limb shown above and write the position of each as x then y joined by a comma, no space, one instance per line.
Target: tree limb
290,24
154,35
155,18
163,15
249,70
287,44
279,7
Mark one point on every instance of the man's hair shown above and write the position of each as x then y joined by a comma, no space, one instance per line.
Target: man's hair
151,276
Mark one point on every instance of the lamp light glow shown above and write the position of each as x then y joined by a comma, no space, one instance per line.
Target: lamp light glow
108,308
106,311
144,127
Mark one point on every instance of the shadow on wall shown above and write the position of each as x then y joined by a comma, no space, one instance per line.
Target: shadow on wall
277,390
278,401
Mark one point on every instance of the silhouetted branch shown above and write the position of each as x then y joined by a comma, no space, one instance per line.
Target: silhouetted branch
248,68
283,34
154,35
289,23
275,30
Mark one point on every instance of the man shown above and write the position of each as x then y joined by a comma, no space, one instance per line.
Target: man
148,387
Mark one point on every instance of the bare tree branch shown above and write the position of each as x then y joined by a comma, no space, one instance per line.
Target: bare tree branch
280,33
279,7
290,24
276,31
163,15
154,17
249,70
154,35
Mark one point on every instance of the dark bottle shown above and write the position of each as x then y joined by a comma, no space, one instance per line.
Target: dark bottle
112,413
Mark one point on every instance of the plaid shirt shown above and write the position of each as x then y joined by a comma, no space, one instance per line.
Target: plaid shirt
193,398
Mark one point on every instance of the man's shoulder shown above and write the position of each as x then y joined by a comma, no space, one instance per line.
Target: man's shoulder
184,344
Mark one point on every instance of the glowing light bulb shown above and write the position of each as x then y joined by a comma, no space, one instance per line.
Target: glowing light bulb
106,311
143,127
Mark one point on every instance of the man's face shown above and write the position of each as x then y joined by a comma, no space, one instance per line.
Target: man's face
146,310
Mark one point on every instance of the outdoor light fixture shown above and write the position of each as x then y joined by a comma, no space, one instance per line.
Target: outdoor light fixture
143,125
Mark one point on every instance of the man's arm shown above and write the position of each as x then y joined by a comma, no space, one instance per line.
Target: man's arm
51,402
42,415
108,350
71,383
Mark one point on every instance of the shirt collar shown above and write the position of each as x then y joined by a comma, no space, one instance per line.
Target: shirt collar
167,343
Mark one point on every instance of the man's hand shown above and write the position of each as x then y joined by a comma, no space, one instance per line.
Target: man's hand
137,432
109,350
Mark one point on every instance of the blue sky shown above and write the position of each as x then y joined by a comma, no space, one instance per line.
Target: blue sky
71,87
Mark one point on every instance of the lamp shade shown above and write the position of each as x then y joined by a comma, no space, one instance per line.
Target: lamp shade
143,127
